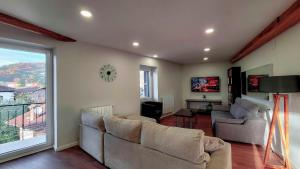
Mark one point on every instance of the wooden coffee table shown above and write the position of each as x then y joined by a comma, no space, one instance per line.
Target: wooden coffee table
187,116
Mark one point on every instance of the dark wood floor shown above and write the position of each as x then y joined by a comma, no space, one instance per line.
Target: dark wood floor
72,158
244,156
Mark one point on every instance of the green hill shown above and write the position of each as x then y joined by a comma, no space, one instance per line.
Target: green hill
23,73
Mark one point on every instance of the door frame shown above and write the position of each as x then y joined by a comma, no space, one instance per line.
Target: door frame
17,45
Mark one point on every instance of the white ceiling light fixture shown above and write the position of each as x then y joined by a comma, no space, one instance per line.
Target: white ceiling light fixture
206,49
205,58
209,30
135,44
86,13
155,56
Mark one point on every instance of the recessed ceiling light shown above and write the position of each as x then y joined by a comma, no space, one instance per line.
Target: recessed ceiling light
209,30
206,49
135,44
86,13
155,56
205,58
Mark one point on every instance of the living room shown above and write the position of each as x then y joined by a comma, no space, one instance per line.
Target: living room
121,54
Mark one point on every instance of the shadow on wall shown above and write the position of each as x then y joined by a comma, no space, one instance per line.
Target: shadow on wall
295,129
276,146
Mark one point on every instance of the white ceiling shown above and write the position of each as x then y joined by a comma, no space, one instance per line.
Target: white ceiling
173,29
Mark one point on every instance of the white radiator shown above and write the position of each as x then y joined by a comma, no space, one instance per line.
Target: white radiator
168,104
102,110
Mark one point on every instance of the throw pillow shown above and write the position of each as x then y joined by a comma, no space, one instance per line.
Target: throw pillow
126,129
251,107
212,144
237,111
238,100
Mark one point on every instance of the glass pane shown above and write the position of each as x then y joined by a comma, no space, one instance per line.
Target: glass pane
142,87
146,83
23,99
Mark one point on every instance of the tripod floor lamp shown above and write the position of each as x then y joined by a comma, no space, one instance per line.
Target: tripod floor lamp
281,86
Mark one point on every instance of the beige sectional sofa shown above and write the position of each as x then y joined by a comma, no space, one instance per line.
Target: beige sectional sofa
135,142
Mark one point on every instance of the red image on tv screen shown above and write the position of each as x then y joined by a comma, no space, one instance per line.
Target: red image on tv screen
253,82
205,84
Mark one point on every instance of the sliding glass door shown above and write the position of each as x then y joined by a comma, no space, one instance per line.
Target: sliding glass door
26,112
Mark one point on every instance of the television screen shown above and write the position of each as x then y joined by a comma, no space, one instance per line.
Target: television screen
253,82
205,84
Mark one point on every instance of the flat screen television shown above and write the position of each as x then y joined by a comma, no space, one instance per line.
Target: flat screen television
253,82
205,84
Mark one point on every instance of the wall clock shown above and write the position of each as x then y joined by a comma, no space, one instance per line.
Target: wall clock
108,73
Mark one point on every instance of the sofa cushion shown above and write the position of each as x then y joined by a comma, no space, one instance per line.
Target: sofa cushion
182,143
126,129
138,117
93,119
238,111
212,144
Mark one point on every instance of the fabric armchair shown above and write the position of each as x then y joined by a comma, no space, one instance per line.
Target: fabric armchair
249,129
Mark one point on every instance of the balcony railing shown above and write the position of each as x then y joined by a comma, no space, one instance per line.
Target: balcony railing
22,121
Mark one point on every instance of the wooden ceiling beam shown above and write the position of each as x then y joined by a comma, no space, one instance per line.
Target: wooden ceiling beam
6,19
282,23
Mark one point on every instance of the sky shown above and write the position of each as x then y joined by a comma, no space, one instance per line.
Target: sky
10,56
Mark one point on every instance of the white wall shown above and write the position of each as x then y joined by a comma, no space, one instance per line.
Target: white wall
284,53
202,70
78,83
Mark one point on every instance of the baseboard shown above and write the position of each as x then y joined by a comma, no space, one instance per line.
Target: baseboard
25,154
66,146
166,115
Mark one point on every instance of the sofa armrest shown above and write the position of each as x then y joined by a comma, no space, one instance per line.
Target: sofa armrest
251,131
259,122
93,120
138,117
221,159
91,141
229,120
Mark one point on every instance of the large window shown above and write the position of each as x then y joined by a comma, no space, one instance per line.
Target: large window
25,104
147,82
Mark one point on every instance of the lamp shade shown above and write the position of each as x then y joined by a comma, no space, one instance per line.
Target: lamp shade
280,84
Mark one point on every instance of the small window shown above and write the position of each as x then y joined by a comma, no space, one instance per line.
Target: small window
146,82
